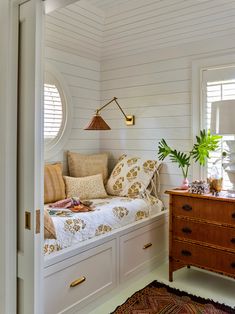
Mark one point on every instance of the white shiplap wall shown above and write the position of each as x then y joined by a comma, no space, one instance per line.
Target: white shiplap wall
73,39
148,49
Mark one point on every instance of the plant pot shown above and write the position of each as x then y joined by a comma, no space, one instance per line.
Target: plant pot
185,184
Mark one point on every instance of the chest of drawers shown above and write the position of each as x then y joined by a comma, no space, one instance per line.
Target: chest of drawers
202,232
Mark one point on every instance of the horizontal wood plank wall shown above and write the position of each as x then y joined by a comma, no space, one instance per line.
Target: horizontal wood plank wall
73,47
148,49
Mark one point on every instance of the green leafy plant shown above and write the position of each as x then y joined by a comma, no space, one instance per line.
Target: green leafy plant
205,144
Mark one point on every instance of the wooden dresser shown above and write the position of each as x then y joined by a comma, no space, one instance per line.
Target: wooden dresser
202,232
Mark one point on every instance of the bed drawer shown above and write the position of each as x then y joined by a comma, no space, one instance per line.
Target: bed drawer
142,247
78,280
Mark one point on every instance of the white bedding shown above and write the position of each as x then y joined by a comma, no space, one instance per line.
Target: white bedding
109,214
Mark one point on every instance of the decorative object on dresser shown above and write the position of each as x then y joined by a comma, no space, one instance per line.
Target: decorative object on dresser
98,123
199,187
202,232
205,144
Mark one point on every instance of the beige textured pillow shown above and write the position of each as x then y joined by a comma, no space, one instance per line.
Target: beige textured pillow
81,165
86,187
54,188
131,176
49,228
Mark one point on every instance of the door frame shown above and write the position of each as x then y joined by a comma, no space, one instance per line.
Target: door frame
8,147
9,18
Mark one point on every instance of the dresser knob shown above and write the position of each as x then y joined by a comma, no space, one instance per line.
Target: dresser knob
233,265
186,253
233,240
233,215
188,207
186,230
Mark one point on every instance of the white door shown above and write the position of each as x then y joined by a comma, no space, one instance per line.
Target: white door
30,160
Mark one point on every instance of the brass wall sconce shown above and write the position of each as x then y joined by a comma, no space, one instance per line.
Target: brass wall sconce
98,123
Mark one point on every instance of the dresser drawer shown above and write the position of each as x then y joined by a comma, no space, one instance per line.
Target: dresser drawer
211,210
142,247
204,233
91,273
192,254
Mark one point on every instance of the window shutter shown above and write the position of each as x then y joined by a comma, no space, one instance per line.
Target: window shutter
53,112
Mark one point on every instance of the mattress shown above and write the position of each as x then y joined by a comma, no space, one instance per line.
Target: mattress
109,214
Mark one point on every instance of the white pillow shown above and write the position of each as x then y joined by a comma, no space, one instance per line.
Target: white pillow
131,176
85,187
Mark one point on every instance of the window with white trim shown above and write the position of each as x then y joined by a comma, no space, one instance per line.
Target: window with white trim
55,112
218,84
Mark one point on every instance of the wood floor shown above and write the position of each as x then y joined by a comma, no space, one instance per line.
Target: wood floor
194,281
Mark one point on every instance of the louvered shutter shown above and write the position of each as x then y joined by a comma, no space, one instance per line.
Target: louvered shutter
53,112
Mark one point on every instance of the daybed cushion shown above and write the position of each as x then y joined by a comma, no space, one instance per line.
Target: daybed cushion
86,187
54,187
109,214
131,176
81,165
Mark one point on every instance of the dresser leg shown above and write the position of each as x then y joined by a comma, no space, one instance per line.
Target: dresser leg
170,277
188,266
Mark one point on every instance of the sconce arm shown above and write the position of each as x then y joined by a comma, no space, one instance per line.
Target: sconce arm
115,100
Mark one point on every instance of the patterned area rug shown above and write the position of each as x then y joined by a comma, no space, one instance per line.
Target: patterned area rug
161,299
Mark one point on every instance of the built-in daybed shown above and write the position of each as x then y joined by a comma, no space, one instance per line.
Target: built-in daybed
98,251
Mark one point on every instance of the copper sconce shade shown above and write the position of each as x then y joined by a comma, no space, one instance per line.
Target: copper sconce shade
98,123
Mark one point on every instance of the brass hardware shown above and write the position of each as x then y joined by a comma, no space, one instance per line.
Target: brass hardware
130,120
27,220
77,281
147,246
38,222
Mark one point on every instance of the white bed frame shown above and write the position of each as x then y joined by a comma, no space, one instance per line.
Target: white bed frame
103,265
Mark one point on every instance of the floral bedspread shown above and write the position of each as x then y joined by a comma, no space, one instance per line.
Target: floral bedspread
109,214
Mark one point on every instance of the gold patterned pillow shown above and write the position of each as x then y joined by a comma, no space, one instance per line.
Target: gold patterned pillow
131,176
54,188
81,165
85,187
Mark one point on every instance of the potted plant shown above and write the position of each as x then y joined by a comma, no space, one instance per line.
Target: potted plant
205,144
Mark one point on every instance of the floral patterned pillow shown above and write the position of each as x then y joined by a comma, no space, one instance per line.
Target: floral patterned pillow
131,176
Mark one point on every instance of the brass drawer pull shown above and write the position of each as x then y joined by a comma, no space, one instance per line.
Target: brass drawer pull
233,215
147,246
186,253
77,282
233,240
186,230
233,265
187,207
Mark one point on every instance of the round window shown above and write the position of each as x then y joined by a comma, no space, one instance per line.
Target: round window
53,112
56,113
